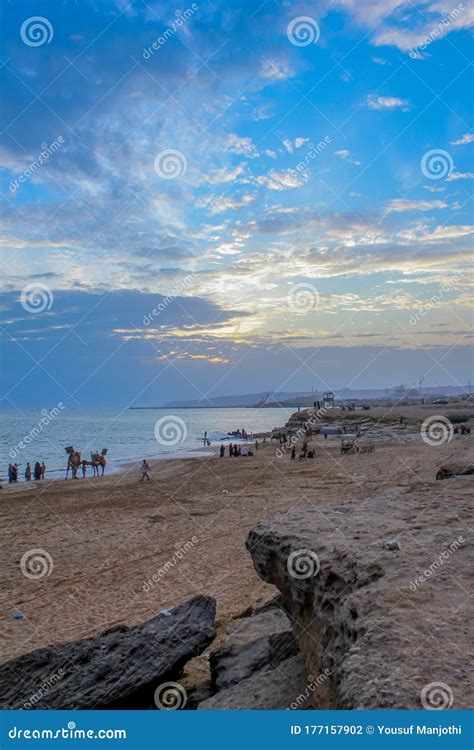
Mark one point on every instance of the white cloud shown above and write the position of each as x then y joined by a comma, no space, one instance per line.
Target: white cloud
380,61
300,142
241,145
400,205
461,176
387,102
219,204
434,189
223,175
346,155
275,180
467,138
288,145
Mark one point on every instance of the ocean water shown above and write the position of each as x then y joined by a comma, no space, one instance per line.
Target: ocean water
127,434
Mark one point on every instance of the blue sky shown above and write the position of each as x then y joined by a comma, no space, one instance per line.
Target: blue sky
233,197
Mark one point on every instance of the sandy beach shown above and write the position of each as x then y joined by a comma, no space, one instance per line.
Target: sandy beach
123,550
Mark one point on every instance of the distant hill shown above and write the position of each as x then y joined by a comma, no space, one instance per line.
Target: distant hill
290,399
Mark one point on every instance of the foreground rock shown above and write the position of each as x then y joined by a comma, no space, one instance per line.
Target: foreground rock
263,640
373,629
454,470
285,686
120,668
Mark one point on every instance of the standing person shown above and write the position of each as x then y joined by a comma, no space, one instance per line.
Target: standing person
256,445
205,438
84,468
222,451
231,450
37,471
28,472
325,433
145,469
235,452
293,454
43,469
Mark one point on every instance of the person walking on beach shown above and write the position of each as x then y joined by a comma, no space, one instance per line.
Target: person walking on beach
256,445
37,471
293,454
205,441
43,469
28,472
145,469
231,450
222,451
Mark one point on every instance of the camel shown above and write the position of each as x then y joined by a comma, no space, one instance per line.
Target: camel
73,462
98,461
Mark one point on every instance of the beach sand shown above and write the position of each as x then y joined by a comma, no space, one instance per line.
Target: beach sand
108,537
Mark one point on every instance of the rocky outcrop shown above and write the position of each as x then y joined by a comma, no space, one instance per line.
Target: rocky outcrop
263,640
363,623
454,470
120,668
282,687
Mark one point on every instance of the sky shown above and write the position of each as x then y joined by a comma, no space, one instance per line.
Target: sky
231,197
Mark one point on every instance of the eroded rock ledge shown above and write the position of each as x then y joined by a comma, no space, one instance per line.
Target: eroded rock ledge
362,634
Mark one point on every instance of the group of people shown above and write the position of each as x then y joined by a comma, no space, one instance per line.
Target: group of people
38,472
305,452
237,450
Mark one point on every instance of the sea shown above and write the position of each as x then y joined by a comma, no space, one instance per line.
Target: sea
126,434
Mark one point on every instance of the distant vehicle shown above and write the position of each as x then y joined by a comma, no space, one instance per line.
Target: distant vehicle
441,401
